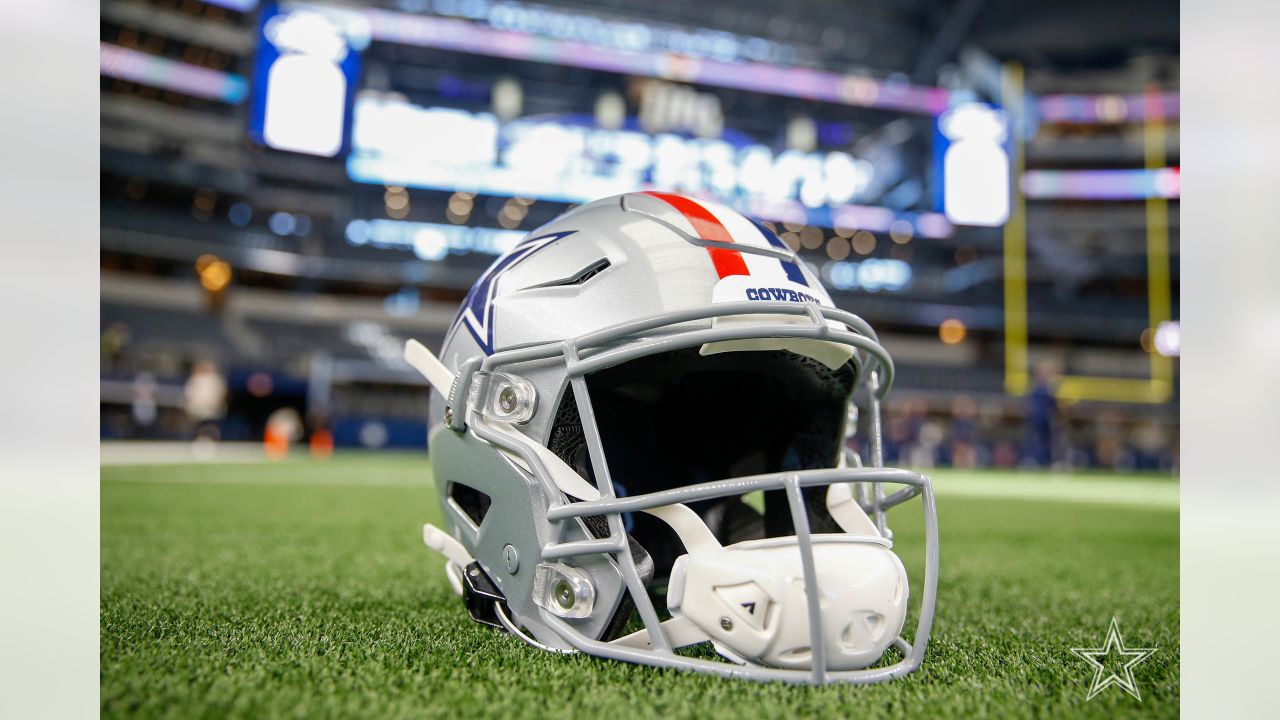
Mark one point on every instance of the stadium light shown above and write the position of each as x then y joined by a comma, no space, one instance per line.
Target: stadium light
1168,338
952,331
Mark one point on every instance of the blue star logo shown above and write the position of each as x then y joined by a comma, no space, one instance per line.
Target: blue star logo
476,312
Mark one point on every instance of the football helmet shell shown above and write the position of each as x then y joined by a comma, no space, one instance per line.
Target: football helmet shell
610,367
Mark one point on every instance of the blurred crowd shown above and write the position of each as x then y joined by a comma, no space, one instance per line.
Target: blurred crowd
1040,434
195,400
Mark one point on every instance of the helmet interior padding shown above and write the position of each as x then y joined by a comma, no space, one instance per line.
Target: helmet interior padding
679,418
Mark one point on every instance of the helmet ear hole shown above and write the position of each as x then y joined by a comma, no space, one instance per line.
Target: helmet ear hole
472,502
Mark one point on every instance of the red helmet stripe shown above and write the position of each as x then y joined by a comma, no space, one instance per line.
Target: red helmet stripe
707,227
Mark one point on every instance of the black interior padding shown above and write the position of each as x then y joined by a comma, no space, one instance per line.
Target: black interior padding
570,445
680,418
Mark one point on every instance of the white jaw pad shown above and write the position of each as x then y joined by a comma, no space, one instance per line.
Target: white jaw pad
751,600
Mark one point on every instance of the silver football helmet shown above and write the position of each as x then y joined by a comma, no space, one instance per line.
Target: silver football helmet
653,393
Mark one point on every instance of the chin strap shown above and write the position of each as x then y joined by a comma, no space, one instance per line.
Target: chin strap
847,513
510,626
693,532
425,362
679,630
456,556
844,507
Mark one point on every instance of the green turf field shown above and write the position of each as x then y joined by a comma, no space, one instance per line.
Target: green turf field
303,590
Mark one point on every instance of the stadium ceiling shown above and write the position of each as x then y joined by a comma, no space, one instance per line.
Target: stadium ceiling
1079,35
919,36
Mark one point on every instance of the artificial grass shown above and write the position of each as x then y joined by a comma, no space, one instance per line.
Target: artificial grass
302,590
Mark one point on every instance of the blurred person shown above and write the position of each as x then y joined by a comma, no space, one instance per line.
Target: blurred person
1150,445
924,453
916,409
897,436
1004,455
284,427
321,442
1077,457
964,432
205,401
992,427
1042,417
142,405
1109,442
1074,441
114,346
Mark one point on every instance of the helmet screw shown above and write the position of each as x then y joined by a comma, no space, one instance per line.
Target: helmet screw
512,557
564,594
726,624
448,416
507,399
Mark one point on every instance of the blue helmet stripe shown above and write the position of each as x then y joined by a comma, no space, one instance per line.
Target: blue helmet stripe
792,270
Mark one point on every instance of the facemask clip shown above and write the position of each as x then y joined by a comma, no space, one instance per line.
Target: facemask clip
503,397
563,591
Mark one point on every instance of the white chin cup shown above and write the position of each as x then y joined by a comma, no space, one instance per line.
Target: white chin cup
750,599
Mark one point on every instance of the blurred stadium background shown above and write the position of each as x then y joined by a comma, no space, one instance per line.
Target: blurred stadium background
290,190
